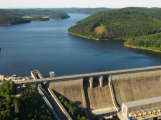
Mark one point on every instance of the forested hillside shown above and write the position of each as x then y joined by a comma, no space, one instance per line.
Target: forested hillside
152,41
59,15
120,24
126,23
18,16
6,19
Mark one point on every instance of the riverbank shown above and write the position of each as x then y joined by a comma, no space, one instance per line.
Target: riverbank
94,38
129,46
137,47
82,36
10,24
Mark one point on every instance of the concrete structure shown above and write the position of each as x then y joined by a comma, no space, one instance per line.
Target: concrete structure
79,76
68,117
71,90
36,74
101,81
142,107
138,93
1,77
91,82
103,94
48,103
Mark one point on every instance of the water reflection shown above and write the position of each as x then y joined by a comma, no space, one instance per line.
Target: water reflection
146,52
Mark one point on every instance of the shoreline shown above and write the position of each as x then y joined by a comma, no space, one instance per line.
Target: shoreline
129,46
95,38
81,36
14,24
137,47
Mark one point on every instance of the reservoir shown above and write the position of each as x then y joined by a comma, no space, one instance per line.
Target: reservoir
46,46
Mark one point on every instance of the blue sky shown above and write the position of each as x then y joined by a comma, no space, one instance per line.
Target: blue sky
78,3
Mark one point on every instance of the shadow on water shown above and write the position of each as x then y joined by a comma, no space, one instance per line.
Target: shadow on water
146,52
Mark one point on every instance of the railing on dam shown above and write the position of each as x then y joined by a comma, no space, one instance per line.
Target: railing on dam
70,77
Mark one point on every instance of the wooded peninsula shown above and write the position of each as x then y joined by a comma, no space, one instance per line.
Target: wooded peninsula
19,16
140,27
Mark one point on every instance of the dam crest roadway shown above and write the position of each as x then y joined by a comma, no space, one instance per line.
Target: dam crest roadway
90,75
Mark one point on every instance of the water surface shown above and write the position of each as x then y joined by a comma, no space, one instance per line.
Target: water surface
46,46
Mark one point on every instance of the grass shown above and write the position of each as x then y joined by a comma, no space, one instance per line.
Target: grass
27,17
100,29
45,17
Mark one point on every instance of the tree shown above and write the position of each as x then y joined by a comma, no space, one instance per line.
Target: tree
0,105
12,89
16,103
78,118
66,104
8,98
61,98
48,112
71,102
16,118
7,85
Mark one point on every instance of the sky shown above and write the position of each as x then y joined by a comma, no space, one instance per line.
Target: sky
78,3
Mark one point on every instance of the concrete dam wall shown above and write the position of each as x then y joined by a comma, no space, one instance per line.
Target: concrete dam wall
104,95
96,100
71,90
136,86
99,98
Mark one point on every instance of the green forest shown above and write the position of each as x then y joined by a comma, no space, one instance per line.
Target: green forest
72,110
152,41
18,16
38,19
59,15
7,19
125,24
26,107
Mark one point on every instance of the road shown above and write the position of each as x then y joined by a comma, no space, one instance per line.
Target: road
79,76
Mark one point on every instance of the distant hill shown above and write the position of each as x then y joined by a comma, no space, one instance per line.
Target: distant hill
29,12
18,16
83,10
6,19
59,15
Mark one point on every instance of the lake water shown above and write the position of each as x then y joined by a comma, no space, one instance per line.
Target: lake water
46,46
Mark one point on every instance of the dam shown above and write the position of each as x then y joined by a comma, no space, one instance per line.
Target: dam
130,93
